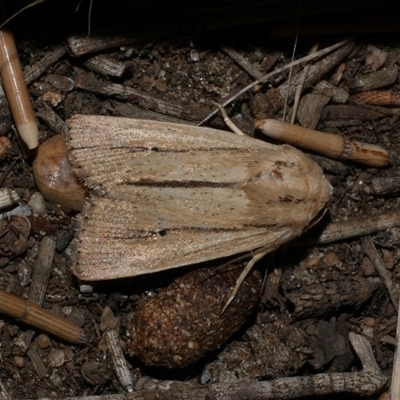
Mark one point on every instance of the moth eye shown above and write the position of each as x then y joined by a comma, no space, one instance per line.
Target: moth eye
155,149
162,232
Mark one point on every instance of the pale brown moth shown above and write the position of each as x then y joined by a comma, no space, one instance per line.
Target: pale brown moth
165,195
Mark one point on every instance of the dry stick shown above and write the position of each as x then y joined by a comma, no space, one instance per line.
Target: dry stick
277,71
395,384
300,86
39,318
317,70
3,392
42,271
372,253
351,228
364,383
120,365
15,87
241,61
51,119
89,82
32,72
363,348
327,144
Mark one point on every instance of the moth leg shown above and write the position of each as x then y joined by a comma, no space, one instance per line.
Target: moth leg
242,277
227,120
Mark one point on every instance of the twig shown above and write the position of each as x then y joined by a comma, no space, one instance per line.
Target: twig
241,61
33,315
372,253
15,88
109,324
351,228
395,384
327,144
364,383
120,366
32,72
89,82
42,271
277,71
364,352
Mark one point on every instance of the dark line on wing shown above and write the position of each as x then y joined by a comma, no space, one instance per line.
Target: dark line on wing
179,184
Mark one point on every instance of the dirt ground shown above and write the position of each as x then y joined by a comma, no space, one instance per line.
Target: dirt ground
312,295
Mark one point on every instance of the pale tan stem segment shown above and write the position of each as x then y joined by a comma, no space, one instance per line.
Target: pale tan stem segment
15,87
39,318
327,144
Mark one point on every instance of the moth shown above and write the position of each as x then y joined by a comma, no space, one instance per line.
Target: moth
165,195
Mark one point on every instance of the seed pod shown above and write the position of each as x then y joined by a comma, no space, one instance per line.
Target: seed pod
376,97
5,146
54,177
184,322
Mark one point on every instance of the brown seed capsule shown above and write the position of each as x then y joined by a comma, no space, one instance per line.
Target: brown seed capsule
5,146
183,322
54,177
377,97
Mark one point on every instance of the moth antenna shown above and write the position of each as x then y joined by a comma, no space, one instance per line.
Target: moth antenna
227,120
242,277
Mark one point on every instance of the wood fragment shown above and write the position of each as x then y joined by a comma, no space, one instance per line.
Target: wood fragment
3,392
105,65
32,72
50,118
241,61
266,77
395,384
120,365
382,186
42,271
375,80
88,82
317,71
351,228
130,110
372,252
364,383
311,106
364,352
339,95
37,363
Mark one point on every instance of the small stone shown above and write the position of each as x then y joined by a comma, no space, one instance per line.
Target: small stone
19,361
37,204
367,267
43,341
56,358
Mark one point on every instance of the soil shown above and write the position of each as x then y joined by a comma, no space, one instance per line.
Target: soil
313,296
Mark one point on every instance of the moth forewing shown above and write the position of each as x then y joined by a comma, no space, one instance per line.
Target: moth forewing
166,195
